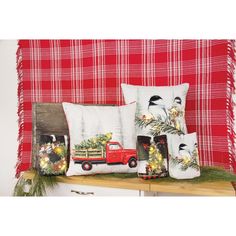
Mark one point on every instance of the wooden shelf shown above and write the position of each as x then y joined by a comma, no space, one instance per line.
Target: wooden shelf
185,188
199,189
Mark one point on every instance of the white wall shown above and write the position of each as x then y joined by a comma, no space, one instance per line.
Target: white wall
8,117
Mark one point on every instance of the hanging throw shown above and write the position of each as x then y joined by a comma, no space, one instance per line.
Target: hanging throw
91,71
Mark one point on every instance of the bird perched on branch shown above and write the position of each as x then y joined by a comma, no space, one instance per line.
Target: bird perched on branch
157,108
184,153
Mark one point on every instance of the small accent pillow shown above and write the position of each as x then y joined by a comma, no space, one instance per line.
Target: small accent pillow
183,156
152,156
102,139
160,109
52,155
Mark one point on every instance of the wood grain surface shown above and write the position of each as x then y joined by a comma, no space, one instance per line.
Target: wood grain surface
219,188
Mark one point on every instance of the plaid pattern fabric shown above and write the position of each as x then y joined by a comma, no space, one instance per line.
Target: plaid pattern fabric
91,71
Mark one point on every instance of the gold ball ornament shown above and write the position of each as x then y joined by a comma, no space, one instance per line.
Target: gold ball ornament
58,150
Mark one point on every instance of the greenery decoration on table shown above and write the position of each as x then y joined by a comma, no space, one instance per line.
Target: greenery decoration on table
35,187
156,125
208,174
97,142
39,184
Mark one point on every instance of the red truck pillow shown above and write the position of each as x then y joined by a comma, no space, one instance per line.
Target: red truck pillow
102,139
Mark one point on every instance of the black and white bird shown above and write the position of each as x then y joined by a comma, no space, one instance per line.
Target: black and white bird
178,100
184,151
177,121
157,108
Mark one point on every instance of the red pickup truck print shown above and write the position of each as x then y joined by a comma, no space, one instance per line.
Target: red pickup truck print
114,154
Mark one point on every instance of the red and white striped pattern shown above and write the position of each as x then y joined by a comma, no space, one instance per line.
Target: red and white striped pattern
91,71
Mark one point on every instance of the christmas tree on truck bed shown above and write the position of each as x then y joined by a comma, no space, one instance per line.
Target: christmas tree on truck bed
95,146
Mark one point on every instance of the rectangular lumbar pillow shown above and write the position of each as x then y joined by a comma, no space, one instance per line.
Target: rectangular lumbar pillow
183,156
102,139
160,109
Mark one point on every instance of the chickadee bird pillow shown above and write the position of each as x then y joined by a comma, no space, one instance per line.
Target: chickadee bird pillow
183,156
160,109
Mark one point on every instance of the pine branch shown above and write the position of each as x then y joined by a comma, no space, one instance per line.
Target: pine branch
156,126
143,123
39,185
19,189
184,166
97,142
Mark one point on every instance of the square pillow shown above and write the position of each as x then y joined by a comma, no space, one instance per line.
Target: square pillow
183,156
152,156
102,139
52,155
160,109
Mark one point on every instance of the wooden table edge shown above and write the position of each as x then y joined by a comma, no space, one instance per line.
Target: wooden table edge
145,185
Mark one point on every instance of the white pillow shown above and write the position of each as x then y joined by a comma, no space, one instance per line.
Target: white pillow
183,156
152,156
165,103
88,124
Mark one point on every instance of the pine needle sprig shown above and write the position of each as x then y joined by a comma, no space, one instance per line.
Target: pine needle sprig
157,126
37,186
97,142
185,165
143,123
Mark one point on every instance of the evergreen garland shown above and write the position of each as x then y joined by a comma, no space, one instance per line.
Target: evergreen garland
186,163
97,142
156,126
37,186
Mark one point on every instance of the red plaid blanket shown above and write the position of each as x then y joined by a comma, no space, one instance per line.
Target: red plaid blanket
91,71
